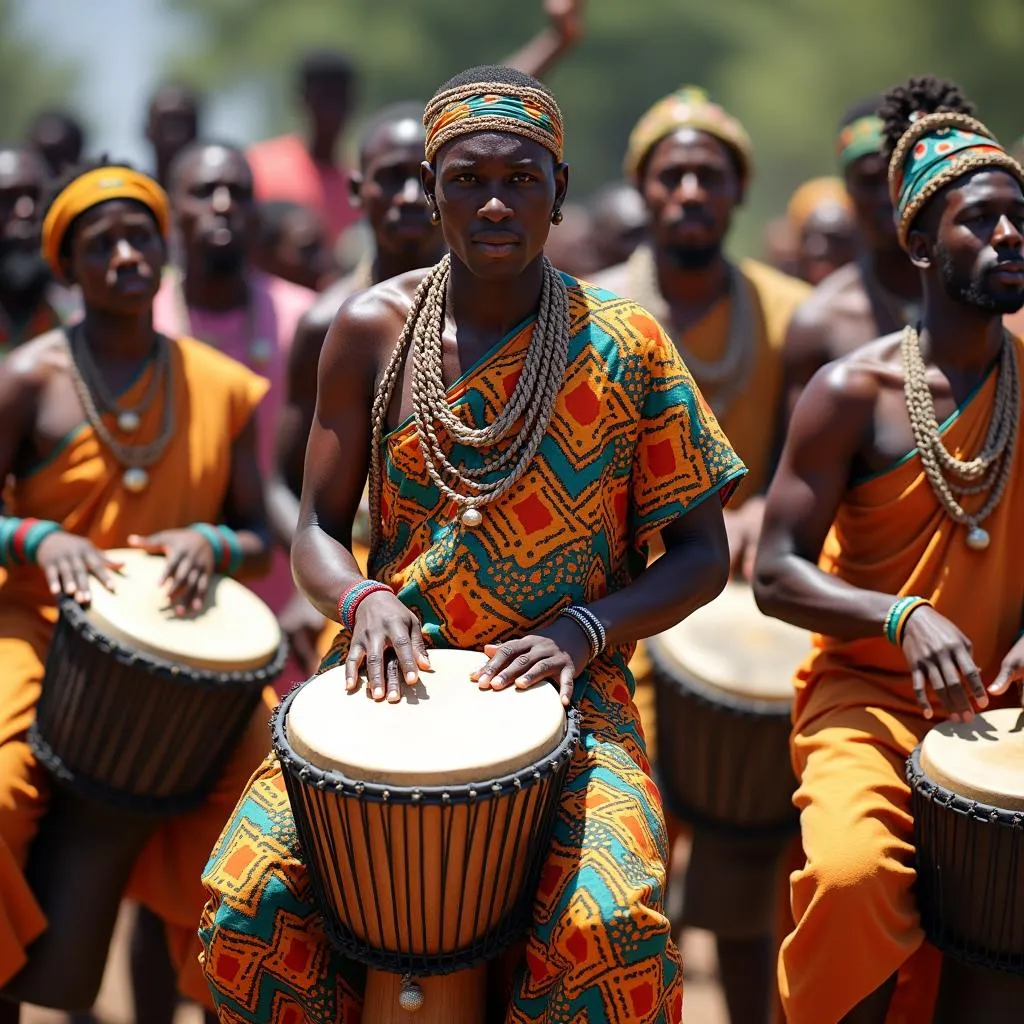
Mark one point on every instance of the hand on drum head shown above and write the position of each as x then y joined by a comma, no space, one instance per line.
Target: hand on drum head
68,561
941,657
190,560
557,654
1011,670
388,640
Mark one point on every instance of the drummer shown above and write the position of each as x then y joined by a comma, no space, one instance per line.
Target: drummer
76,407
917,610
631,450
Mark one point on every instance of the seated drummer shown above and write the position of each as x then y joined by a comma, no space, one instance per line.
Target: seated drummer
886,539
631,450
77,408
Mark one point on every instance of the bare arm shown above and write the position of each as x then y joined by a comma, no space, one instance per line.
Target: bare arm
829,424
538,56
804,352
244,508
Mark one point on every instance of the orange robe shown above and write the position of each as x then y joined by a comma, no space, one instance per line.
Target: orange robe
856,720
80,487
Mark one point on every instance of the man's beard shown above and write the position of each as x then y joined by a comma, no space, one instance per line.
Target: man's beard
223,262
23,273
692,257
971,289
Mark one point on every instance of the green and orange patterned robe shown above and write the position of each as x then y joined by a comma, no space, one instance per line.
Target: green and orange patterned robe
632,446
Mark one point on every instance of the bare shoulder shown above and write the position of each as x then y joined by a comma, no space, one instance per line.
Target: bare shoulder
856,380
32,364
840,295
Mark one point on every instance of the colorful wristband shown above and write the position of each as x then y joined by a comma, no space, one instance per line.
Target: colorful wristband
234,546
353,597
899,613
591,625
212,537
20,539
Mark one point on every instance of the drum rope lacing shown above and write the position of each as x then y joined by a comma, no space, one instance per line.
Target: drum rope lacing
532,401
990,469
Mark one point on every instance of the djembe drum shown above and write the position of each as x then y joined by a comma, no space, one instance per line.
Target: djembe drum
424,825
723,695
139,713
967,796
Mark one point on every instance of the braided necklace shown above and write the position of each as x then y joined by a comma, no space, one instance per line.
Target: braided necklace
722,379
949,476
532,401
94,396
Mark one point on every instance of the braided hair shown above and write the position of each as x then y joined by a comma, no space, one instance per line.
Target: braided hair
925,94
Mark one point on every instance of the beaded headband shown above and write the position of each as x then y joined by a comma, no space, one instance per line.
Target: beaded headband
494,106
859,138
95,187
688,107
933,152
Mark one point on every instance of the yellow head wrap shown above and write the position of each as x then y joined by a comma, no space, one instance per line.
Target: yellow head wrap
688,107
814,194
95,187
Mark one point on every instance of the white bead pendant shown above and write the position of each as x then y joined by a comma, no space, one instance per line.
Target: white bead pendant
472,518
977,538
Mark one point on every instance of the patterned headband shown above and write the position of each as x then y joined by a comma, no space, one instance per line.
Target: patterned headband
95,187
494,106
933,152
859,138
688,107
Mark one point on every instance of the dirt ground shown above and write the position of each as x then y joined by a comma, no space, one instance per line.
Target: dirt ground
702,1002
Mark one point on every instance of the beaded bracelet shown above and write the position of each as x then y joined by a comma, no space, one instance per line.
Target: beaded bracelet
227,548
20,539
591,625
353,597
899,613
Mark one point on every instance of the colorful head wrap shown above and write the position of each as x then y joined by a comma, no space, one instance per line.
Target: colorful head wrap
494,106
814,194
934,151
95,187
859,138
687,107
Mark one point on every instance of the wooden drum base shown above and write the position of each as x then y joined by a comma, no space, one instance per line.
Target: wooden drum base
970,995
447,998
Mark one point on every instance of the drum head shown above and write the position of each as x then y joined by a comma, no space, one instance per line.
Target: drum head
981,760
235,632
730,645
445,731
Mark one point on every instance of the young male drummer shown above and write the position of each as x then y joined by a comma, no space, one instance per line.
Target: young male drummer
631,449
912,582
75,409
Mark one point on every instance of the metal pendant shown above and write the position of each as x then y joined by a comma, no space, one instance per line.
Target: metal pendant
128,422
472,518
977,538
410,997
135,479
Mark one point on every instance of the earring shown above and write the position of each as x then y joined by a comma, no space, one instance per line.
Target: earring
556,216
435,213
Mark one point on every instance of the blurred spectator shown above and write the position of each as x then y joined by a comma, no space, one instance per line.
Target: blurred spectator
28,299
780,245
58,138
821,215
570,245
172,123
291,243
302,168
618,222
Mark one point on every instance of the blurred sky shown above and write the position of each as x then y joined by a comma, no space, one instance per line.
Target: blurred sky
120,46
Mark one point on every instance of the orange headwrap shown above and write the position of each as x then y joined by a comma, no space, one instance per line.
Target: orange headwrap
814,194
93,188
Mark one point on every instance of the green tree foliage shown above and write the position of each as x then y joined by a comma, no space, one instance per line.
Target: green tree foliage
29,78
787,68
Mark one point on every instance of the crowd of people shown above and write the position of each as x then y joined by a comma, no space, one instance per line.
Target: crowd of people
231,320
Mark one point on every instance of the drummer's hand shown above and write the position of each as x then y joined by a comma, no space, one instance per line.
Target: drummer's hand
186,577
941,657
743,528
68,561
559,654
302,624
388,639
1011,670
